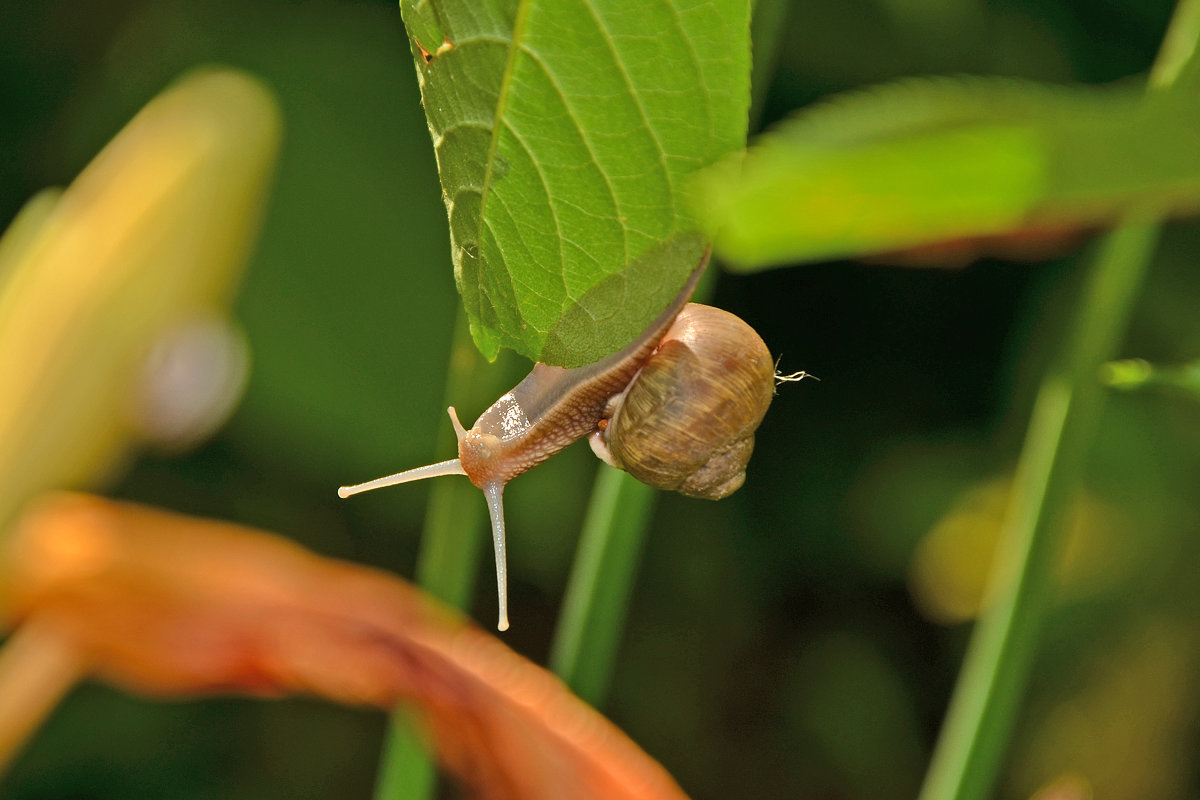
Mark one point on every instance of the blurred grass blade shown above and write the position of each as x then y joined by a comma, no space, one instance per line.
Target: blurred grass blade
593,613
565,133
408,769
588,634
922,162
455,533
154,230
170,605
1176,69
987,696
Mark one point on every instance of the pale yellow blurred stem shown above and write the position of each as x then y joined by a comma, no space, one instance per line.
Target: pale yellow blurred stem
37,667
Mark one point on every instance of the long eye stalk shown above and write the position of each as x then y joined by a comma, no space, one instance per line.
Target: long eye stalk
451,467
493,491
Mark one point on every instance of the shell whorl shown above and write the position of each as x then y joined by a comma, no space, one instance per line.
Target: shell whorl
686,423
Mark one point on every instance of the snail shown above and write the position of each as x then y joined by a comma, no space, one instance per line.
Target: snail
677,408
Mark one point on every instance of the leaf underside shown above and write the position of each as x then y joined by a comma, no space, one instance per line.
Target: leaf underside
566,132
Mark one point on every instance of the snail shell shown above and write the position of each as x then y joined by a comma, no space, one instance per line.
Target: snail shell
686,422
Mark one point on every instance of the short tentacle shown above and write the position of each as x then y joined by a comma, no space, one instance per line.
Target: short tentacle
459,431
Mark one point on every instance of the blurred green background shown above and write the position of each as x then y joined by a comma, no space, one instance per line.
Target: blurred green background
798,639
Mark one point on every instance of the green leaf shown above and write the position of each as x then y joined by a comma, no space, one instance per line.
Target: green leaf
566,133
420,17
925,161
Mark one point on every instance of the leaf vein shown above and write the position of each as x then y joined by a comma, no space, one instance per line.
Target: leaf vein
587,143
633,94
537,165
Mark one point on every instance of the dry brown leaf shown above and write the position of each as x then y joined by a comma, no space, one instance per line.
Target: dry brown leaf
166,604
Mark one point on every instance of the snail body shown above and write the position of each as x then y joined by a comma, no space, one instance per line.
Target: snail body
614,402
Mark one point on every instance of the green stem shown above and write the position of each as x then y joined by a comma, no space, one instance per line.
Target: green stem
1000,655
610,546
597,597
452,543
1177,67
407,771
993,678
767,26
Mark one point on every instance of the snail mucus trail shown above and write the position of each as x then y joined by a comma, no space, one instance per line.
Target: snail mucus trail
677,408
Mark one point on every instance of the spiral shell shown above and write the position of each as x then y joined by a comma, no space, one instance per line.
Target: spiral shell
686,423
